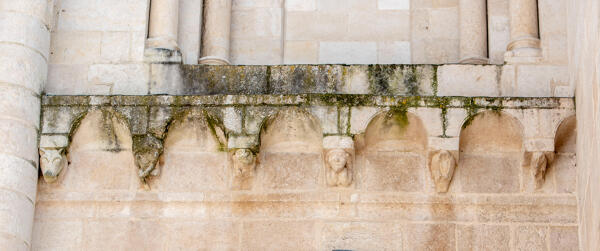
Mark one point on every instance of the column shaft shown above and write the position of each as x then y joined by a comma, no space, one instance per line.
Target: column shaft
524,34
24,49
216,32
473,31
163,24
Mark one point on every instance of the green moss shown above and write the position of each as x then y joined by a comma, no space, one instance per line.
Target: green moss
471,109
434,81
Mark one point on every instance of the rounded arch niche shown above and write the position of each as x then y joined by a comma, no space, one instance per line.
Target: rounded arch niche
100,154
565,162
194,157
394,153
491,152
290,151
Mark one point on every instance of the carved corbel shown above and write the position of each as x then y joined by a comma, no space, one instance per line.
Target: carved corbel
339,167
339,160
244,164
442,169
147,149
53,156
539,163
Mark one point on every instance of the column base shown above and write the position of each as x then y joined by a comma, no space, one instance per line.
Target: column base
162,56
212,60
524,56
474,60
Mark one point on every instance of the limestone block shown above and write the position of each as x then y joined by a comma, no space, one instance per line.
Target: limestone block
258,51
430,236
434,50
508,81
136,51
273,235
360,236
243,169
110,15
397,52
19,140
300,5
137,117
356,80
22,66
14,244
432,119
382,25
564,238
483,237
56,141
499,36
301,52
564,167
208,235
393,171
16,215
468,80
18,175
393,4
254,117
540,80
328,117
115,46
70,79
306,79
166,79
455,118
180,172
539,144
331,142
256,23
530,238
360,118
308,25
124,79
443,143
76,47
26,30
190,25
256,4
344,5
232,119
59,119
20,104
50,234
282,171
496,174
347,52
344,120
249,141
34,8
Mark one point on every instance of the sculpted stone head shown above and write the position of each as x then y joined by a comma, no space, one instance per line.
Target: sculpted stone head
339,167
52,162
243,161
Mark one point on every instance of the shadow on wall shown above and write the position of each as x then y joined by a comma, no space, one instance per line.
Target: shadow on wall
490,154
392,153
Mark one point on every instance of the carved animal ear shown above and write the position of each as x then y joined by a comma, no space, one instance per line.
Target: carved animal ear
61,151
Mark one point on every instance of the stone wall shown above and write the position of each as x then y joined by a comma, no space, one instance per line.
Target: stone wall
583,69
97,48
261,172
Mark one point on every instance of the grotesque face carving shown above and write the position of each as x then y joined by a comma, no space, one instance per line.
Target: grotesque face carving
52,162
442,169
243,162
339,167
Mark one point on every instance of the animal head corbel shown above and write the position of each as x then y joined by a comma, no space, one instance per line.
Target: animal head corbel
539,164
53,156
147,149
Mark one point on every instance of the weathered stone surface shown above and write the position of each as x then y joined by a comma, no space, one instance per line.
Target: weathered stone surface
360,236
483,237
287,235
403,172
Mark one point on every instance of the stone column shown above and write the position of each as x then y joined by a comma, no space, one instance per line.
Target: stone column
24,49
473,31
163,24
524,34
216,32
